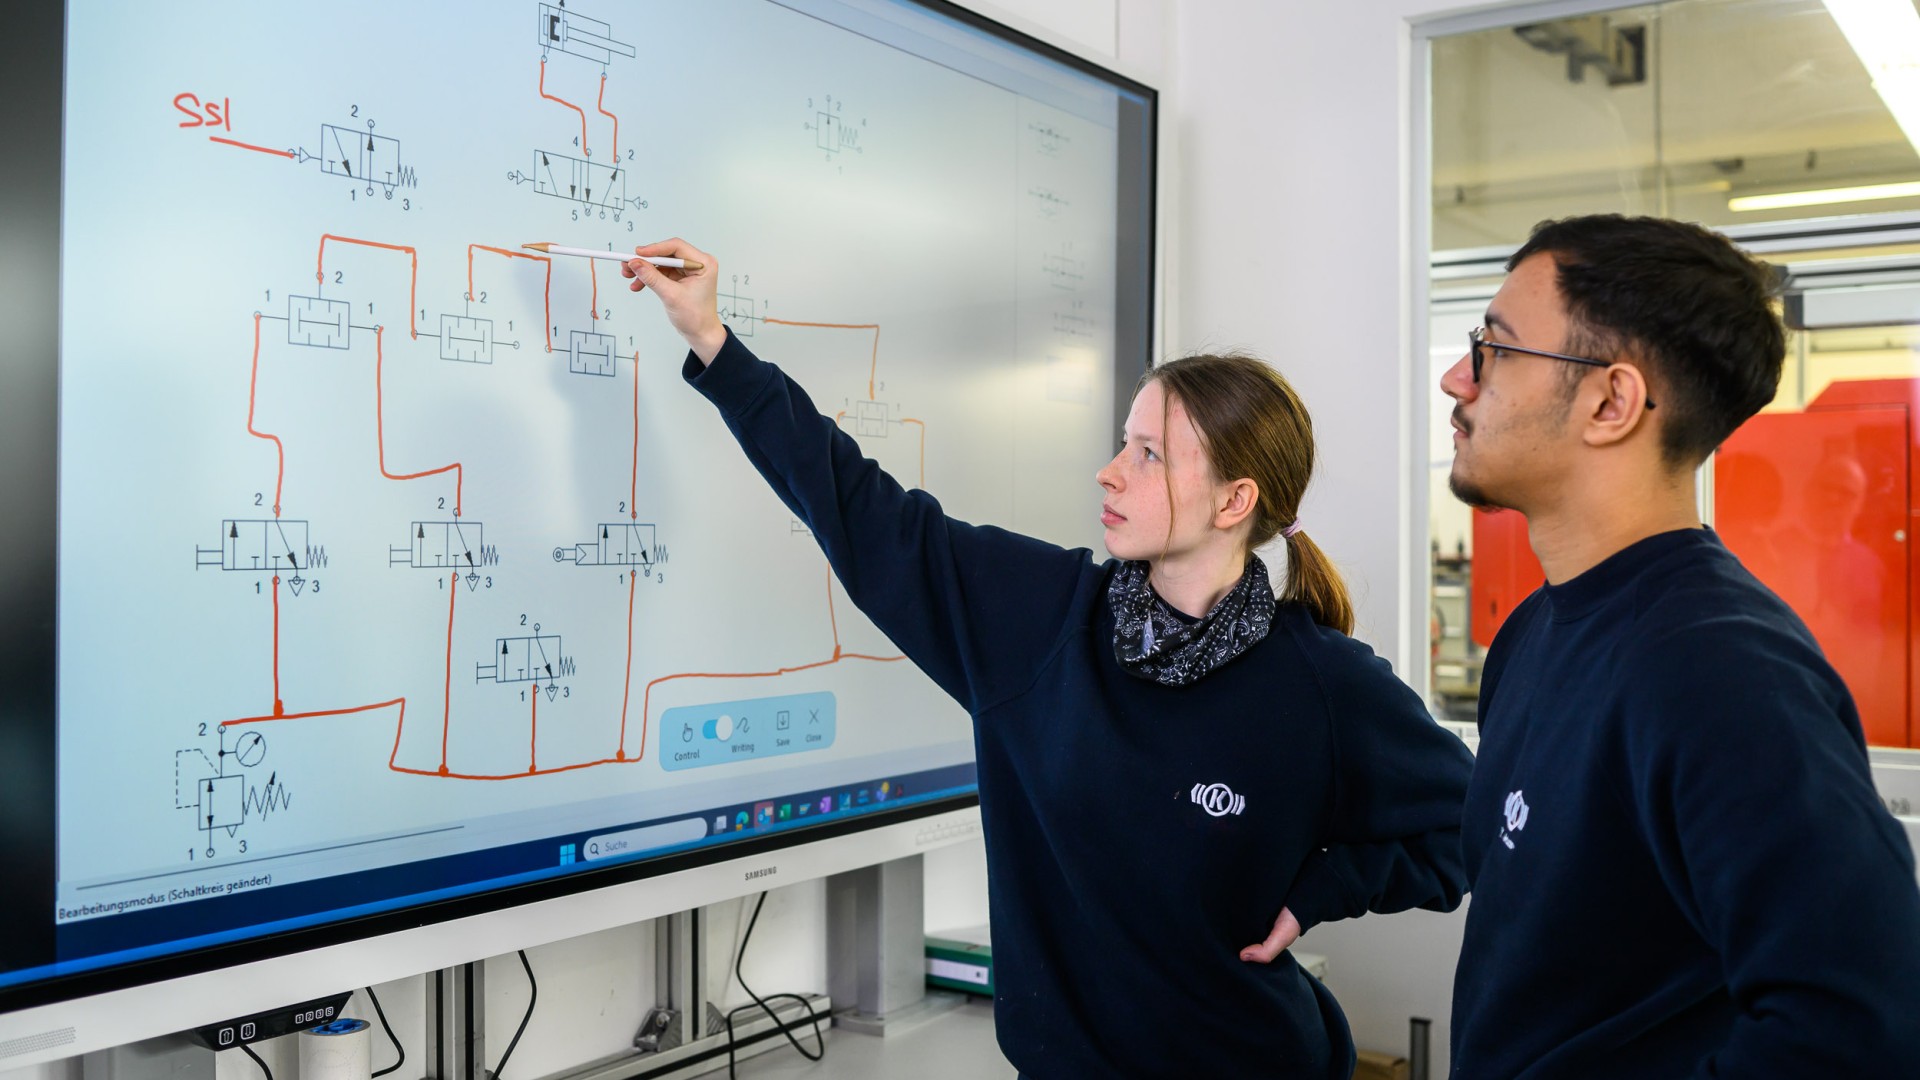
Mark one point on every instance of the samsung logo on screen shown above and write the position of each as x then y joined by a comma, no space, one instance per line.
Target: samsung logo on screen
765,871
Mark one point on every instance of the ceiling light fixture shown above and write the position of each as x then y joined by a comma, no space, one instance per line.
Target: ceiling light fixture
1885,35
1824,196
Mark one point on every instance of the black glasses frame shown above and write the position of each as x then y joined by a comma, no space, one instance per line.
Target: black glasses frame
1475,343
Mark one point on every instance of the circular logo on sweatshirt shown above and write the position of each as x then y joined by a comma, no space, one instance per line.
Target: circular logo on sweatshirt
1516,812
1218,800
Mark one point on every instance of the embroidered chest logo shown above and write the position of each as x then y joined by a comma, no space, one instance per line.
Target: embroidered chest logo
1218,800
1516,817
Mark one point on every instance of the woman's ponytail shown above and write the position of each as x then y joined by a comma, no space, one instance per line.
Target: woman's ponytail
1253,424
1313,580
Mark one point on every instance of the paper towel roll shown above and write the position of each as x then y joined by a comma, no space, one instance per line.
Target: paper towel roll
340,1050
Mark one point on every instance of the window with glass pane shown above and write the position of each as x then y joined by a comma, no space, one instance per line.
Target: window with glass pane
1724,112
1740,115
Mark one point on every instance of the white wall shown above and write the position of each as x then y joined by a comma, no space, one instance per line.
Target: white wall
1294,242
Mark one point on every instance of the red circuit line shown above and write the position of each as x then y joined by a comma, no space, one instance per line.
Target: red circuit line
280,451
399,731
506,776
633,583
923,447
446,708
833,618
633,580
593,313
633,485
547,295
568,104
289,153
875,327
646,708
380,429
533,768
279,707
646,705
400,701
601,105
320,269
626,692
401,727
646,701
446,715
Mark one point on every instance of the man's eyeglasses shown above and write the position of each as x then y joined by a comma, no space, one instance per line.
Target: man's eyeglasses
1476,343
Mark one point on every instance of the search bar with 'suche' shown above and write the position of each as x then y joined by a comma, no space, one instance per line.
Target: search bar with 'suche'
613,845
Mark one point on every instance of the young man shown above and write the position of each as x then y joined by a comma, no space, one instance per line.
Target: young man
1678,862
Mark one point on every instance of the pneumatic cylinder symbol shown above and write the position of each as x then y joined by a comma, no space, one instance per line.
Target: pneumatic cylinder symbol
1218,800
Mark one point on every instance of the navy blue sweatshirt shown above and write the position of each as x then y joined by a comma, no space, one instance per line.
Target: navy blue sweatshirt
1679,864
1138,835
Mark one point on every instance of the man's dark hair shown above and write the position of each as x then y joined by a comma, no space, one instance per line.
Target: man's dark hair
1692,308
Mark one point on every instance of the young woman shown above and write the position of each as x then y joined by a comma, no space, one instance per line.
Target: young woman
1167,755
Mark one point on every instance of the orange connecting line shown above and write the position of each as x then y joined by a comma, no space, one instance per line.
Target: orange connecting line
601,105
633,579
646,708
446,707
871,373
320,269
633,485
547,296
269,149
875,327
570,105
838,656
279,709
533,768
453,592
400,701
923,447
380,427
280,451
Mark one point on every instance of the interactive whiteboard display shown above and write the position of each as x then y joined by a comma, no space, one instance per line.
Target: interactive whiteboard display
396,561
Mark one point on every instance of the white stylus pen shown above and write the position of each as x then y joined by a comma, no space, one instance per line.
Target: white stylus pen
614,256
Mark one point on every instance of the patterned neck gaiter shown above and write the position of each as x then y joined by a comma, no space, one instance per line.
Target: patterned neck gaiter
1152,642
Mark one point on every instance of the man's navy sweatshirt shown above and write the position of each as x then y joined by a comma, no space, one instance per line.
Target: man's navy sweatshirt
1138,835
1679,864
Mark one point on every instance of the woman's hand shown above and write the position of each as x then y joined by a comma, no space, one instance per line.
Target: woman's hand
1286,931
688,295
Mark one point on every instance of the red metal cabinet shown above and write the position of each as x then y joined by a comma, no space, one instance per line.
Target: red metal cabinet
1504,571
1819,506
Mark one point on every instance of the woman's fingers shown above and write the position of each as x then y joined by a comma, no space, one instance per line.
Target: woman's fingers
1286,931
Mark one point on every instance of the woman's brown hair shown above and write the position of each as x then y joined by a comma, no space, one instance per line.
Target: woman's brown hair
1252,424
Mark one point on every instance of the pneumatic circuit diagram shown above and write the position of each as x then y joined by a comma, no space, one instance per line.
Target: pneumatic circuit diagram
433,532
